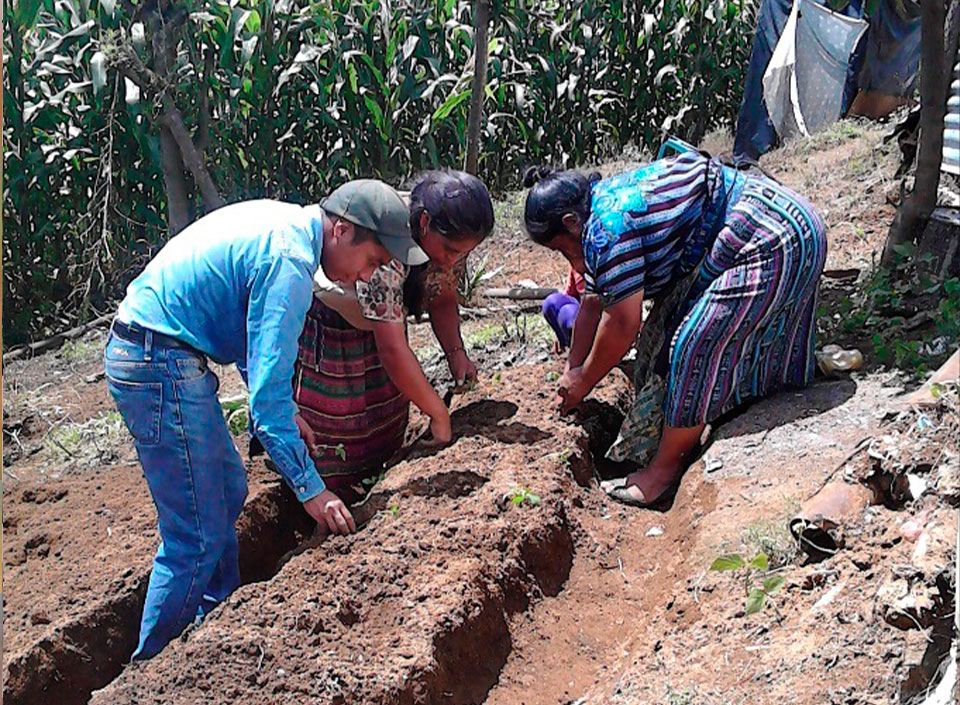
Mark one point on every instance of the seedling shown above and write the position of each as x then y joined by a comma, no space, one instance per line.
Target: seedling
552,376
756,596
393,510
519,495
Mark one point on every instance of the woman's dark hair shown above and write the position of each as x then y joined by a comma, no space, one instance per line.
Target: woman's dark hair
458,203
553,195
460,209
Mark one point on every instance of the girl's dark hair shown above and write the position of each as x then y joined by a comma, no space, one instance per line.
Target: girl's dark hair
552,195
460,209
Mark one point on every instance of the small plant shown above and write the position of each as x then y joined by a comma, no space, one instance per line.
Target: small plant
519,495
552,376
473,276
756,596
906,315
393,510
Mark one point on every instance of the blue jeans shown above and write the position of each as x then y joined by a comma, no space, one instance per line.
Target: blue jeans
168,399
560,310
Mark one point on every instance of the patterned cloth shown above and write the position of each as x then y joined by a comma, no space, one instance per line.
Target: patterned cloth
381,299
647,228
755,251
346,396
341,386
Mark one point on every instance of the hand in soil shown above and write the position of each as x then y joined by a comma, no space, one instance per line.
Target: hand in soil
330,513
462,369
572,390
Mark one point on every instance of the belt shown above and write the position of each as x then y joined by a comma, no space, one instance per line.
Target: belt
132,333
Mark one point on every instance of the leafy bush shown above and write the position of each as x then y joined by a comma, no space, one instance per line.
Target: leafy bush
303,95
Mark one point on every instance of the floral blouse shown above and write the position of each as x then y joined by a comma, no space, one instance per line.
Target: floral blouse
381,299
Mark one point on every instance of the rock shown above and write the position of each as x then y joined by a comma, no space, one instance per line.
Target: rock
905,604
935,546
948,479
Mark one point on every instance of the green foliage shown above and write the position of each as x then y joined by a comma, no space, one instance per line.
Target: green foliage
305,95
909,318
756,596
519,495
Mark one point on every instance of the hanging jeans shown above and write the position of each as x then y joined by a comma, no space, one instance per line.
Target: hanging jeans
167,396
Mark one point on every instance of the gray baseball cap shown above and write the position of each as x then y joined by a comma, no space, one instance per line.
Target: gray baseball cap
374,205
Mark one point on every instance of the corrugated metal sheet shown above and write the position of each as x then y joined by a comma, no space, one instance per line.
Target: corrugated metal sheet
951,127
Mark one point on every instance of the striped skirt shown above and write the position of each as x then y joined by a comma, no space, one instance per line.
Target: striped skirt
748,325
346,396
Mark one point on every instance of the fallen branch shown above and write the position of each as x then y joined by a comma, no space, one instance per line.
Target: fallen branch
519,293
57,340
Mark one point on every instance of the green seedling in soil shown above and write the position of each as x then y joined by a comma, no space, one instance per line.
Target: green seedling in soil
519,495
756,596
394,510
496,378
552,376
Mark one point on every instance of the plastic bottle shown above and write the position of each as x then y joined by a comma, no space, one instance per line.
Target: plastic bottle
833,359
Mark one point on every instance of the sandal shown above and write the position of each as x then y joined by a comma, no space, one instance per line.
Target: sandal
618,490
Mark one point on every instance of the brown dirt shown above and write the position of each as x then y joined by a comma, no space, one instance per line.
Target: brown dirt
463,597
414,607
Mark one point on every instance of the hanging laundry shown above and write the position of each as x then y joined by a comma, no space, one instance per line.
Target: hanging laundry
803,85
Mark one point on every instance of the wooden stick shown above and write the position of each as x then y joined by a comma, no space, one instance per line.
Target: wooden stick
57,340
519,293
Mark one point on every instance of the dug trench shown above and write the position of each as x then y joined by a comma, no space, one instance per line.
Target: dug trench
414,608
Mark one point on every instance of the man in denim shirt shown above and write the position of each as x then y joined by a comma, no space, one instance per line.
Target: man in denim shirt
234,287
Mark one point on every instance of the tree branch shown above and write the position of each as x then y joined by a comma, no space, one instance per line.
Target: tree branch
170,118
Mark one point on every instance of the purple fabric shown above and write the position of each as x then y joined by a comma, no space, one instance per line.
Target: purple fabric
560,310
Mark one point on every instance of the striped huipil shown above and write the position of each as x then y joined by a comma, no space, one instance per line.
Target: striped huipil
747,327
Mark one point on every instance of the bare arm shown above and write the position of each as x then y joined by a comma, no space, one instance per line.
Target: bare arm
445,320
584,329
404,369
617,331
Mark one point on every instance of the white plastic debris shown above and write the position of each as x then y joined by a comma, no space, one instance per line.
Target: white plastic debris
655,531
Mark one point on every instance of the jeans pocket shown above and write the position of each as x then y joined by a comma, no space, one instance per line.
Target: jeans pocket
140,404
190,367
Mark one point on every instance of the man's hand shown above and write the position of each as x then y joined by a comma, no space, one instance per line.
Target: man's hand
572,389
330,513
462,369
308,435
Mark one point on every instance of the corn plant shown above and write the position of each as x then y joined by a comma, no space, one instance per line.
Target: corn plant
288,99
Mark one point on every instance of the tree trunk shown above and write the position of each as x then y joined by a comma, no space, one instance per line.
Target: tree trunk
934,84
178,193
481,24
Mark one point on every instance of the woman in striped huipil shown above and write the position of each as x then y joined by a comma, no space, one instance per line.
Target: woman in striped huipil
732,260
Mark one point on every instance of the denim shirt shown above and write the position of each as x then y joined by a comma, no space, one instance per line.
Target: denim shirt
236,285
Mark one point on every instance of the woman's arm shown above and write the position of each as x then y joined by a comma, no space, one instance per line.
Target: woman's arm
615,333
405,372
445,319
584,329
